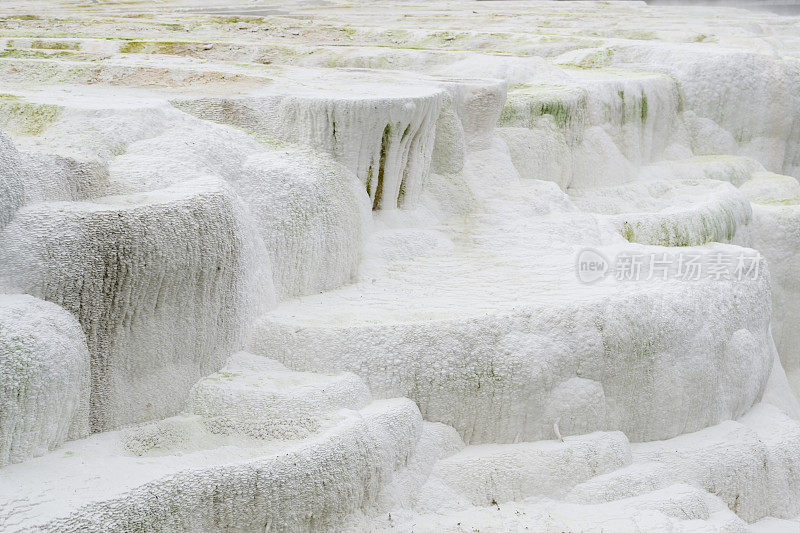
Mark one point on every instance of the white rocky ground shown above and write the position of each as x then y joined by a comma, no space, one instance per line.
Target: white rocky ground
275,266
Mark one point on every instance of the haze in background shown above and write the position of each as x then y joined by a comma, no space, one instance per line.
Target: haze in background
782,7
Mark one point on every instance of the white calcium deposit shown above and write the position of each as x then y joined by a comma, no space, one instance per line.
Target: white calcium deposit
320,266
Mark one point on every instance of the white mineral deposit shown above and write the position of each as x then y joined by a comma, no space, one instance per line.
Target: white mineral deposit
419,266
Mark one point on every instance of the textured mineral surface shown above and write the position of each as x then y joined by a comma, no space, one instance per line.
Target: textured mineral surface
333,265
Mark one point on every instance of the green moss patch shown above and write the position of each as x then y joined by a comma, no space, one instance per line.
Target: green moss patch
35,54
783,201
525,104
56,45
25,118
21,17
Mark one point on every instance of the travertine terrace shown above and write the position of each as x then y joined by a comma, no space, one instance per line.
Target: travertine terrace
363,266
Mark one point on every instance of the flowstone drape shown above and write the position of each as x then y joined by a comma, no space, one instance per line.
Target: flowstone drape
366,266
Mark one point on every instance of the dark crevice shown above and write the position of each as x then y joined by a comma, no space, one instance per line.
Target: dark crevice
376,204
